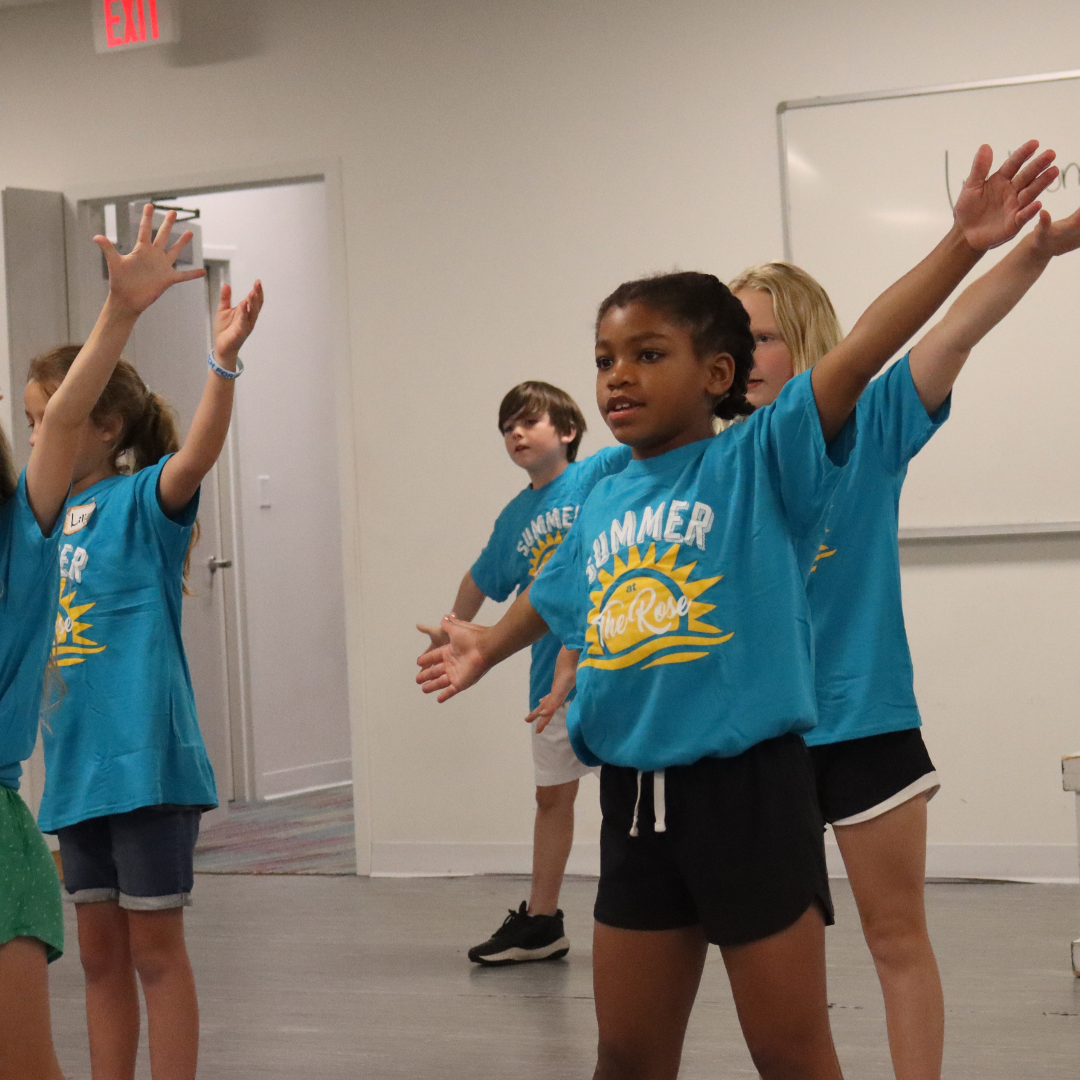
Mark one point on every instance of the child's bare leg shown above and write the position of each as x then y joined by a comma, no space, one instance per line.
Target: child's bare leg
112,998
172,1009
645,982
886,864
25,1030
553,836
779,989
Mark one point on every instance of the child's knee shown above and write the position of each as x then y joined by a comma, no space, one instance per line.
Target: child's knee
556,797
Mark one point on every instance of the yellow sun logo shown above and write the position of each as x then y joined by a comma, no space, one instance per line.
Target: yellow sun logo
68,627
542,550
645,606
823,553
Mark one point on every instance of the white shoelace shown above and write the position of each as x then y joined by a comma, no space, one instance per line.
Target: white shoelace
659,803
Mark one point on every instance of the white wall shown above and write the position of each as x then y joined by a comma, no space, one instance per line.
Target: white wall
503,167
291,560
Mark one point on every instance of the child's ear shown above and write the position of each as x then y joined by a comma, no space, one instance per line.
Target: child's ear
567,439
721,373
111,428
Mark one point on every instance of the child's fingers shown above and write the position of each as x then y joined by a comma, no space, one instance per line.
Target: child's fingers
1011,165
145,224
1036,185
173,253
108,249
225,300
980,166
164,230
1026,214
447,694
187,275
542,723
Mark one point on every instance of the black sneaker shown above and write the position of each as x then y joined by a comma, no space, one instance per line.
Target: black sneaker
524,937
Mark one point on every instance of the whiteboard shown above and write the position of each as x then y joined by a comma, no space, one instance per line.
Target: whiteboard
867,182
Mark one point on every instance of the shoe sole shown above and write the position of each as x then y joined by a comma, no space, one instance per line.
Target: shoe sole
555,951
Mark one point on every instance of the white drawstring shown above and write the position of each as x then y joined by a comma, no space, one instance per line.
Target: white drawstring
637,804
659,803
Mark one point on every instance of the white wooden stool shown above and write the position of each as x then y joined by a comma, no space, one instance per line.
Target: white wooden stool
1070,781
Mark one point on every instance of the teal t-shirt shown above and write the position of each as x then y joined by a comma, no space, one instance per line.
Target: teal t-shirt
125,734
697,642
525,536
863,671
30,583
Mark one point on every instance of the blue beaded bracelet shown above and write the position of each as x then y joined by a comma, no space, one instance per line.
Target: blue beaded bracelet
217,369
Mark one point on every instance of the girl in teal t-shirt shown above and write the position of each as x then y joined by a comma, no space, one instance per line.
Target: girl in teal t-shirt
31,924
690,565
873,774
127,776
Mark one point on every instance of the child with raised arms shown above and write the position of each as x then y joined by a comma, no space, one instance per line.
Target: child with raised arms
873,774
127,776
31,922
696,677
542,428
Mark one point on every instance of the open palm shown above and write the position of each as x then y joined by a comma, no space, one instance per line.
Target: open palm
233,325
991,209
138,279
452,668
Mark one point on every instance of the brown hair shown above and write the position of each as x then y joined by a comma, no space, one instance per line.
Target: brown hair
537,398
804,313
149,426
8,480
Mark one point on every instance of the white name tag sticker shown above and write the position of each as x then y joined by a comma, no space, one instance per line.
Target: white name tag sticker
77,517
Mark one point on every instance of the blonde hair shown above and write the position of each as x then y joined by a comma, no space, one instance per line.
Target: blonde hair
804,313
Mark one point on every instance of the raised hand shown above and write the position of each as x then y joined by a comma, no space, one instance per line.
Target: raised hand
233,325
1056,237
138,279
454,667
991,210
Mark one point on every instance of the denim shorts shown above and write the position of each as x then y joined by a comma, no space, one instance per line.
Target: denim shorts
142,858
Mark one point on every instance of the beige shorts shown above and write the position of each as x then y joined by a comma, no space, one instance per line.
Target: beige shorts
554,760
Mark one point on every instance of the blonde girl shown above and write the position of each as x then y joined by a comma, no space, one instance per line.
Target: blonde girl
127,776
31,926
873,774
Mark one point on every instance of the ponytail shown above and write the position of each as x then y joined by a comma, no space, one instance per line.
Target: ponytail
148,429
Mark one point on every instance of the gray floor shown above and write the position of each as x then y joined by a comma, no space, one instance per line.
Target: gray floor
350,977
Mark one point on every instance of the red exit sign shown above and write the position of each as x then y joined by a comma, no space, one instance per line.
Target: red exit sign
134,24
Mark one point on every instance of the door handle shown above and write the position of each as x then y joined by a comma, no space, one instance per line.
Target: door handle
216,564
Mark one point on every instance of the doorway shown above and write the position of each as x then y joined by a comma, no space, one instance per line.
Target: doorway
265,630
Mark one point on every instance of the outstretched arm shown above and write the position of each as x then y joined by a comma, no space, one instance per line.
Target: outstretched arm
474,650
467,603
937,359
135,282
184,471
990,210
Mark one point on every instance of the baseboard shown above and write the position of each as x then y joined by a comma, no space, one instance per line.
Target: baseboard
278,783
987,862
403,858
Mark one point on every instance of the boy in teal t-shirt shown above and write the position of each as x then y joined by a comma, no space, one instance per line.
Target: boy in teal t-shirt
542,428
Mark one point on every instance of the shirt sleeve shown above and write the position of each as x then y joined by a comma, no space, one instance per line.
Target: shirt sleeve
606,460
894,418
494,572
557,593
173,532
804,469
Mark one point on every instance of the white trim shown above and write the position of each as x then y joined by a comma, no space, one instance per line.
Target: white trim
307,790
927,784
300,778
990,532
405,858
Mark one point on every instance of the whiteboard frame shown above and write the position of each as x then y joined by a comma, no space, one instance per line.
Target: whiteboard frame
964,532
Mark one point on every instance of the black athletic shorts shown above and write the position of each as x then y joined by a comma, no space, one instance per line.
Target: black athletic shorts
861,779
742,853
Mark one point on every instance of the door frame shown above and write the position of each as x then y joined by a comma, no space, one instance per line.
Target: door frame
80,203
